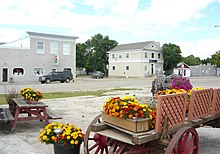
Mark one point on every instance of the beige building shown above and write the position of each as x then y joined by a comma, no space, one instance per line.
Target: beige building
35,55
140,59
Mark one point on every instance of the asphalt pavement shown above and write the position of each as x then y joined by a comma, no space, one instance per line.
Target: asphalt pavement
85,83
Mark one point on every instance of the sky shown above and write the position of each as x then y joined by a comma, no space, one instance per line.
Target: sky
190,24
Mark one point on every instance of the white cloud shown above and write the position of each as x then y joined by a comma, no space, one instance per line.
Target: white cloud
202,48
115,17
11,34
120,15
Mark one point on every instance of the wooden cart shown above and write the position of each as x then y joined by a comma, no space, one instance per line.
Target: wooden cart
175,129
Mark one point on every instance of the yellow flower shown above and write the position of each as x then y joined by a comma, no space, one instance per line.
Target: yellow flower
72,142
68,137
76,142
44,137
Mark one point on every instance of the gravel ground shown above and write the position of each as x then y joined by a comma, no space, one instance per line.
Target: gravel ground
81,111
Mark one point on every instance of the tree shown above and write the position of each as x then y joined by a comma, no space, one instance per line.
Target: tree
215,58
81,55
172,56
191,60
97,47
205,61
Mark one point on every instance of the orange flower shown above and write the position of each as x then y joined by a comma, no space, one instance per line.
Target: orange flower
130,116
121,116
136,114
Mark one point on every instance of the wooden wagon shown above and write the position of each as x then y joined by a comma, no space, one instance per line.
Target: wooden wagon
175,129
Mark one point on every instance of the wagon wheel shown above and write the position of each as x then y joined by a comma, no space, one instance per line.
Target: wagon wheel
100,142
185,141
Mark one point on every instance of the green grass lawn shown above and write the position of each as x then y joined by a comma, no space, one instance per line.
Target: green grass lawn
74,94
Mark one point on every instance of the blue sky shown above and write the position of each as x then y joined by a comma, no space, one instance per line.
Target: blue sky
186,23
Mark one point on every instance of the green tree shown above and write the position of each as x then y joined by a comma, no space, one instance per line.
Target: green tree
97,57
215,58
205,61
81,55
172,56
191,60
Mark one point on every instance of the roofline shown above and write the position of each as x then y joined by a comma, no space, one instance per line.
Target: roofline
136,42
51,35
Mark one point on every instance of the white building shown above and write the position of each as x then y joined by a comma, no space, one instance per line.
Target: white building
35,55
140,59
183,69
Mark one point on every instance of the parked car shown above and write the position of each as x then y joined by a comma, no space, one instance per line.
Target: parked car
98,75
62,76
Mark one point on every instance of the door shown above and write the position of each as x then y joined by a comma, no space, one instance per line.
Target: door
152,69
4,75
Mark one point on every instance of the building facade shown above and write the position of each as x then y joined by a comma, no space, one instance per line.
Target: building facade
35,55
182,69
203,70
141,59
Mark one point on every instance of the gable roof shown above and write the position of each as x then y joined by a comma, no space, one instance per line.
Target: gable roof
184,65
51,35
131,46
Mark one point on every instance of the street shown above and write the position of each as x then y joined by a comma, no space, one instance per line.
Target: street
106,83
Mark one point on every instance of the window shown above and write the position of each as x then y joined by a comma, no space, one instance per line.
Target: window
127,68
145,68
127,55
18,71
113,56
145,54
54,48
67,69
119,56
38,71
113,67
40,47
66,49
158,55
152,55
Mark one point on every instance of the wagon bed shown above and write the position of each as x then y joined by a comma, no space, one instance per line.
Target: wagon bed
175,126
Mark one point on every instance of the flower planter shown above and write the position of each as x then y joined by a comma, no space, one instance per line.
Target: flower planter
134,125
61,149
29,101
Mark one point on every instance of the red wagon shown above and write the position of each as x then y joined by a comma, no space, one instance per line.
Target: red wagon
175,129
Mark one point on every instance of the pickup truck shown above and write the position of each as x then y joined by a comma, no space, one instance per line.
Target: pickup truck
62,76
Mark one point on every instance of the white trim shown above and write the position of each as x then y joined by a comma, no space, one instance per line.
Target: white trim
54,45
53,39
69,52
134,60
17,74
1,74
126,67
40,74
43,51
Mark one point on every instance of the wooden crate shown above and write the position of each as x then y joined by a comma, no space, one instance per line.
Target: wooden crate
134,125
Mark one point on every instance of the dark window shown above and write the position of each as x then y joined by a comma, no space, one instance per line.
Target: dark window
145,54
152,55
127,68
18,71
113,67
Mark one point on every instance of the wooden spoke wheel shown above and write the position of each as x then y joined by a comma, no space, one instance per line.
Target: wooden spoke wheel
96,144
185,141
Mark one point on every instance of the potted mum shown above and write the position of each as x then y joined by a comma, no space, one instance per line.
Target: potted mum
66,138
31,95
